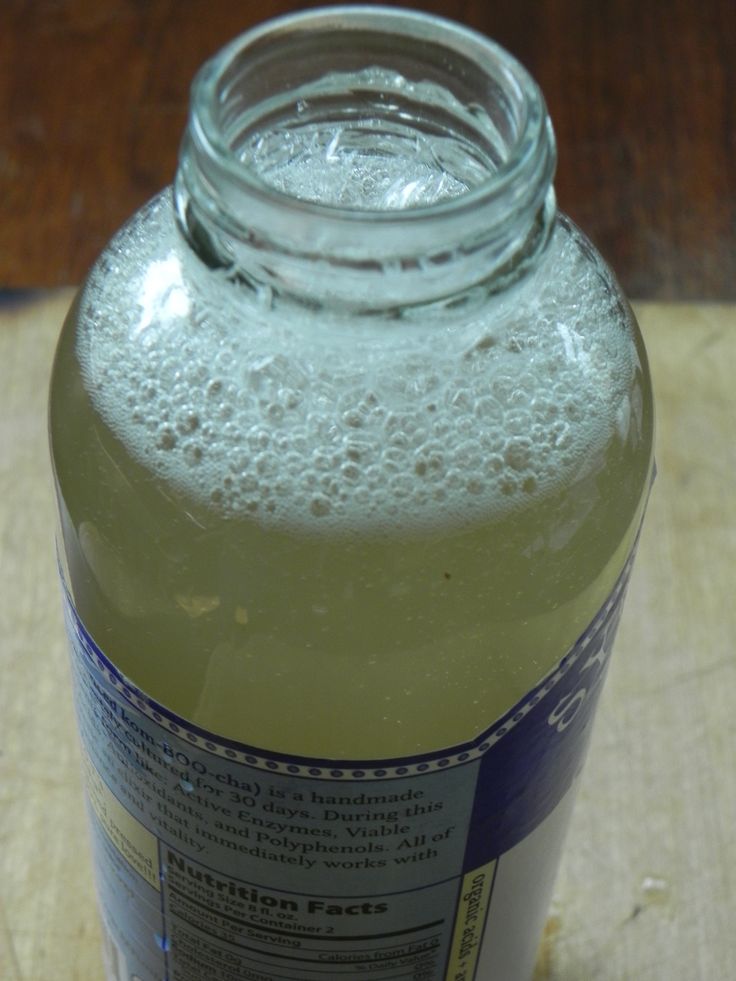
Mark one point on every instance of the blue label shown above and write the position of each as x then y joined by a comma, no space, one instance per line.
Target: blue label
216,859
544,741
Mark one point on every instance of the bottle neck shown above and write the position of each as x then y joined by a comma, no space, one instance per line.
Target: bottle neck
368,157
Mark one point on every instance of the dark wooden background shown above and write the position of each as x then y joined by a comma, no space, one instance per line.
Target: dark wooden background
93,98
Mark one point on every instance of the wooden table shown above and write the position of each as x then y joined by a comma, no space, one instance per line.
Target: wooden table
647,890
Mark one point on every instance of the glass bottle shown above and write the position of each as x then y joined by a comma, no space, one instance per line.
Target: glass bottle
352,437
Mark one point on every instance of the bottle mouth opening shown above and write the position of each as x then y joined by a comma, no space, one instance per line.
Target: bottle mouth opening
303,131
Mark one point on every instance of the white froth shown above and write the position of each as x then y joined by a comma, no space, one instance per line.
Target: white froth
385,158
301,421
350,174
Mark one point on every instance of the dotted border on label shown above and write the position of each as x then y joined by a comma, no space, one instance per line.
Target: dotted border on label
301,767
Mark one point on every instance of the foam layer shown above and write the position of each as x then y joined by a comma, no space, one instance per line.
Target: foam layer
407,145
300,420
350,175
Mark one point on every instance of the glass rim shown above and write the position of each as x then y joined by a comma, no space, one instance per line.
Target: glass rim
531,156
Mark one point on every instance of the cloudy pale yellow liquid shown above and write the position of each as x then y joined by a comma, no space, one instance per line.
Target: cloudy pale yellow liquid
372,642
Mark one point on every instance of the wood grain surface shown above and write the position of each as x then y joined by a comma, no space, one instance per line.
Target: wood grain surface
647,890
93,97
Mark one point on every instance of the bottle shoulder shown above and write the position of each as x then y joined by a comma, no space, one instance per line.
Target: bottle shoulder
445,412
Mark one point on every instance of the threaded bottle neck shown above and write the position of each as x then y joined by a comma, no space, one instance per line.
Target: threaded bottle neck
367,156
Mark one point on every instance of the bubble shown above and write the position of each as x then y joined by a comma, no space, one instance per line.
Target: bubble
493,464
486,407
468,454
393,459
574,410
362,497
282,488
517,423
322,460
193,454
401,486
396,423
502,387
518,453
430,462
292,462
320,506
290,398
543,408
400,439
167,440
353,418
374,476
194,373
330,485
274,412
258,438
187,422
